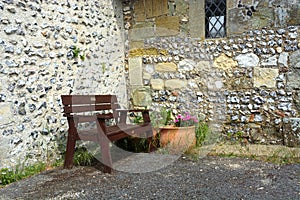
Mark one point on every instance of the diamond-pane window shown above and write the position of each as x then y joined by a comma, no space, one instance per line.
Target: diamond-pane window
215,18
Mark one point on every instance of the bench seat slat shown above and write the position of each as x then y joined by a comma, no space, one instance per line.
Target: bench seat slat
87,108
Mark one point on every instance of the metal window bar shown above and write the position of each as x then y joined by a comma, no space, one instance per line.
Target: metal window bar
215,18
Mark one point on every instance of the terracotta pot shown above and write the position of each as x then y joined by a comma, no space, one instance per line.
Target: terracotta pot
177,139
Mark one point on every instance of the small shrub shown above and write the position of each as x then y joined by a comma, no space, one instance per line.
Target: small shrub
83,157
202,131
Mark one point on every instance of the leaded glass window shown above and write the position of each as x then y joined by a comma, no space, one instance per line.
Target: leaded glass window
215,18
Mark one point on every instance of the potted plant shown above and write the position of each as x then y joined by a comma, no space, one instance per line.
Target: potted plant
179,134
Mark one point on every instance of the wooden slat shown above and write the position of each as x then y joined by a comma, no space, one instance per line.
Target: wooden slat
87,99
86,108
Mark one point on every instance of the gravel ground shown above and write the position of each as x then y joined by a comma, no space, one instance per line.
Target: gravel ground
208,178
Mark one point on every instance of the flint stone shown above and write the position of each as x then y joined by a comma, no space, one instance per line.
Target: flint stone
244,119
258,118
21,109
11,63
38,45
21,83
258,100
10,30
271,61
285,106
247,60
235,118
280,31
186,65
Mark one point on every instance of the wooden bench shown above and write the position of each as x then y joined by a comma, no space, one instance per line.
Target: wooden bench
100,108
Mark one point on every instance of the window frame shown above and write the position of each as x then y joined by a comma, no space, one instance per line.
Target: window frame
215,9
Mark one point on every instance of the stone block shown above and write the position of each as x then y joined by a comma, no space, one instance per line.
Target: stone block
295,59
224,62
154,8
175,84
160,7
136,44
265,77
297,101
294,14
283,59
239,83
167,25
247,60
142,33
135,66
6,116
146,76
204,66
263,18
141,97
157,84
293,79
182,7
166,67
139,11
197,21
236,22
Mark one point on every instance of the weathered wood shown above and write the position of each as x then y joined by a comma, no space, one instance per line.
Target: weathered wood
99,108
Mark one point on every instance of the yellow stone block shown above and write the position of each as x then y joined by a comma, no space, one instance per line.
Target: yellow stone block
224,62
166,67
265,77
168,22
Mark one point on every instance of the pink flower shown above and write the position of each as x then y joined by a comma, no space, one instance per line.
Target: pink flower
179,116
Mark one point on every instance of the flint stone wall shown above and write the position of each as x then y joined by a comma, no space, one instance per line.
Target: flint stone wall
246,85
37,65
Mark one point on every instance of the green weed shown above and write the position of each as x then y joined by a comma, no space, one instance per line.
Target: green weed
8,176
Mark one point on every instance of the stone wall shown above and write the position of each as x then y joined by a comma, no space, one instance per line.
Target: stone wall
49,48
246,85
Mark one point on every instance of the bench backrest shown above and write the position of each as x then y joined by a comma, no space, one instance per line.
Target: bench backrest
89,103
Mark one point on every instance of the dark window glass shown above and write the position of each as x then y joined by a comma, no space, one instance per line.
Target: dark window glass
215,18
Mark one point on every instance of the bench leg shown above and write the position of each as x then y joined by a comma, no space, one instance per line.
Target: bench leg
106,156
68,164
151,141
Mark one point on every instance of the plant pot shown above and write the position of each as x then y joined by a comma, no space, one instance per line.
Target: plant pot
177,139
